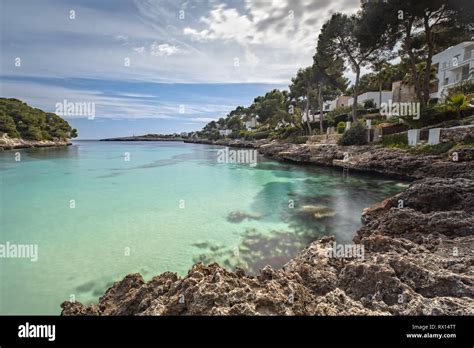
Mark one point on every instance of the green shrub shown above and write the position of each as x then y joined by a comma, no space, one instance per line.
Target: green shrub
354,136
300,139
433,101
234,135
213,135
32,133
464,87
469,140
7,125
261,135
434,115
369,104
286,132
451,123
398,140
341,118
437,149
341,126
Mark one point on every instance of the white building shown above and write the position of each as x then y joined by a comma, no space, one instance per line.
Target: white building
252,123
312,117
283,124
225,132
375,96
453,65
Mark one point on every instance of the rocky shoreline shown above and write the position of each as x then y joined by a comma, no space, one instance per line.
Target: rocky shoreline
391,162
143,138
15,143
418,251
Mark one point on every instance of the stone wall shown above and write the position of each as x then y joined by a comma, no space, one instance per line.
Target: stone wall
456,134
403,93
325,138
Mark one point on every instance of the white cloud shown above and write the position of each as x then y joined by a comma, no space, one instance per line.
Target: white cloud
136,95
275,36
140,50
161,50
225,24
203,119
271,38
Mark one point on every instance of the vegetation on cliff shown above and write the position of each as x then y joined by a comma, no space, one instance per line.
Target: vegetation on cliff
19,120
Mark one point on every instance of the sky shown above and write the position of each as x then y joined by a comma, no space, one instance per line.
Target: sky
155,66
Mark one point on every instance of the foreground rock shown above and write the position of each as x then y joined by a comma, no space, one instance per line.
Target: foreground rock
418,258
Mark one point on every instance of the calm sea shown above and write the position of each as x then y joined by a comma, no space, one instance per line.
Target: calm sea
100,210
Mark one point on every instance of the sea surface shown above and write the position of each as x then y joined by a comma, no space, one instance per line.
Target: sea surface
98,211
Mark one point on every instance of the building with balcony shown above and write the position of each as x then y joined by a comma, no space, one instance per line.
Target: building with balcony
453,65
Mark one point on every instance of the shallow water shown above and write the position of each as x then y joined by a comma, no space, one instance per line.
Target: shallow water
171,205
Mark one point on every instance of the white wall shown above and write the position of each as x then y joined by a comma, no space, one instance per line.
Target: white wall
386,96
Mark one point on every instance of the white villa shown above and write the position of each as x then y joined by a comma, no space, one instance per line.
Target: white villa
312,117
252,123
345,100
225,132
375,96
453,65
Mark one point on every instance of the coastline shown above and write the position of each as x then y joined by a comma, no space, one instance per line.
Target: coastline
418,253
395,163
16,143
143,138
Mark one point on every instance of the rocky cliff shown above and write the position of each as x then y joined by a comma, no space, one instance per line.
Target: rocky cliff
7,143
417,253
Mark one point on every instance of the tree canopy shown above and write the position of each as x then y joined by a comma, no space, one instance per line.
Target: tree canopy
19,120
371,38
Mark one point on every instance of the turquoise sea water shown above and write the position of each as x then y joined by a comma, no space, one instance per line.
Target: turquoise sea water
170,205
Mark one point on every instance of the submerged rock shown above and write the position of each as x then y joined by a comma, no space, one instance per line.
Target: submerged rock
317,211
238,216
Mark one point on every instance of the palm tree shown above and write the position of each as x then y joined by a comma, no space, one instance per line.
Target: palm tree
420,68
383,73
457,103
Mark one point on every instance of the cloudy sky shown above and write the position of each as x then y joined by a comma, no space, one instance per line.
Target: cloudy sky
155,66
